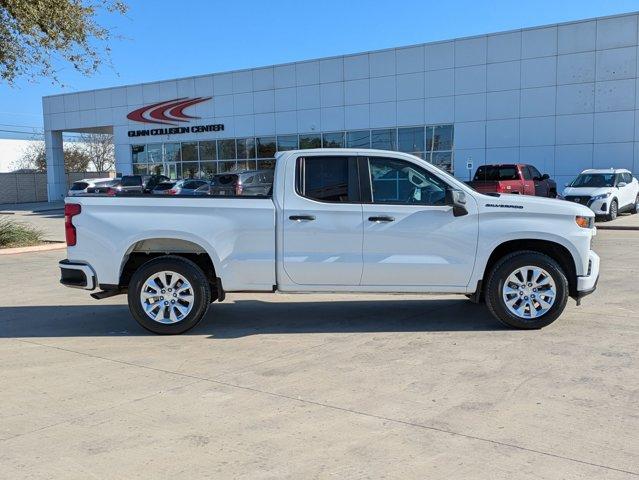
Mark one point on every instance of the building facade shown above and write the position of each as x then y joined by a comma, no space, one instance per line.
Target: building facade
562,97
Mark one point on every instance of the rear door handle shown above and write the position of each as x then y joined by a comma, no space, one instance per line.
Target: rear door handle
383,218
299,218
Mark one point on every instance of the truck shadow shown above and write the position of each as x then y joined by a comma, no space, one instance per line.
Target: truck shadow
243,318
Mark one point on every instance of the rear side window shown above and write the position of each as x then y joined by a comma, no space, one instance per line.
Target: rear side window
79,186
496,173
131,181
328,179
192,185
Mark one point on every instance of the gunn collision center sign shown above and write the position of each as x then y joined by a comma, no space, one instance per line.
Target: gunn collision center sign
170,112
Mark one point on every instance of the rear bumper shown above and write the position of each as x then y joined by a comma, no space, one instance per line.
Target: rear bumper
587,284
77,275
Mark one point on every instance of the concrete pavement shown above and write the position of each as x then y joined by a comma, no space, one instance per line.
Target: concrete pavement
312,386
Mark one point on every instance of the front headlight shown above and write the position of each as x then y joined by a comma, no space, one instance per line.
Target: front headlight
585,222
601,196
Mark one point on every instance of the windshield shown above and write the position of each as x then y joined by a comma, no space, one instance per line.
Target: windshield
594,180
496,173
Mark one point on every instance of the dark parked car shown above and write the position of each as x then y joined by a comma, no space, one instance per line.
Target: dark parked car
140,183
251,182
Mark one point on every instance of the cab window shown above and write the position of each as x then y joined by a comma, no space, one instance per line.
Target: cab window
328,179
396,181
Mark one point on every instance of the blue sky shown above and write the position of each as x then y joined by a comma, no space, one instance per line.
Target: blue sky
165,39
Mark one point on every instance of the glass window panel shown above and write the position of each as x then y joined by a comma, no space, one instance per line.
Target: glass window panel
266,164
329,179
310,141
189,152
156,169
429,138
286,142
383,139
265,147
208,150
443,160
245,148
398,181
443,137
333,140
226,149
189,169
410,140
138,153
243,165
207,169
172,152
358,139
154,153
223,167
140,169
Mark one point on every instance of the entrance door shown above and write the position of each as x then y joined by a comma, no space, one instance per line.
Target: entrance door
411,237
322,223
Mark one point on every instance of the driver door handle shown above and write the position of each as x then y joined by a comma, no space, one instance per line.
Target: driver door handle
299,218
383,218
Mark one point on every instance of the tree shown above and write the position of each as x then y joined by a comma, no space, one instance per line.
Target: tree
76,158
34,32
99,147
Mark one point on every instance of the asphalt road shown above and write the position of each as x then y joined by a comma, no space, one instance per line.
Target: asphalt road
310,386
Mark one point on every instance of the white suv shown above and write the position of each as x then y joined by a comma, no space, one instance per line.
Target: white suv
80,187
605,192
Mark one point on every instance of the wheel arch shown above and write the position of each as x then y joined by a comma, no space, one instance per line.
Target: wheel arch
554,250
148,248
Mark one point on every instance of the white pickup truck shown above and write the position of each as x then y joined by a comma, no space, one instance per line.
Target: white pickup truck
337,220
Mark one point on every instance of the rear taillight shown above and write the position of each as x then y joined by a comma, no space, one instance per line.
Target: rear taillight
111,192
238,189
171,191
70,211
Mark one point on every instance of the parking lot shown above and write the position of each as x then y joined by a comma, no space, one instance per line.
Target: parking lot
310,386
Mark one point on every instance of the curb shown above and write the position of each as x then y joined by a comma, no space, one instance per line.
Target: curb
35,248
617,227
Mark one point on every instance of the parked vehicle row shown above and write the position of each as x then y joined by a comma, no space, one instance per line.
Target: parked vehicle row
335,220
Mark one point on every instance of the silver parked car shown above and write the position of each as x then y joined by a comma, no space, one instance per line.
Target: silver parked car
250,182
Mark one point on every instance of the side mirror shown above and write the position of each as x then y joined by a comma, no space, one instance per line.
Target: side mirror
457,199
621,184
545,176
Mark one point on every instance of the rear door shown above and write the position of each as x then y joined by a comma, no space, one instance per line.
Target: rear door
322,223
411,237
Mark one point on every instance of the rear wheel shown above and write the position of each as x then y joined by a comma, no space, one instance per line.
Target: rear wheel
527,290
169,295
614,211
635,207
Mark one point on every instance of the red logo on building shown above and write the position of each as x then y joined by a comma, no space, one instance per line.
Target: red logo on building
167,112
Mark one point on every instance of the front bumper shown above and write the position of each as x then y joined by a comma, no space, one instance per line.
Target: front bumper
77,275
600,206
587,284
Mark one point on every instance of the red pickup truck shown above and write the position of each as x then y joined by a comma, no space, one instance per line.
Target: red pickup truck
516,178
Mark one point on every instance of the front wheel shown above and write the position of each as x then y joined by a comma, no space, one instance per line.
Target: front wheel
614,211
169,295
527,290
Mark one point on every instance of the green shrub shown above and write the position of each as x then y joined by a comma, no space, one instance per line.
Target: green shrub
15,234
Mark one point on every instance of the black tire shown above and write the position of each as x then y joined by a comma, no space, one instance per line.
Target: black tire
500,272
191,272
614,210
635,207
552,193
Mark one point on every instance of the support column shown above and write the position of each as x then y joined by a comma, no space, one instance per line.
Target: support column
56,177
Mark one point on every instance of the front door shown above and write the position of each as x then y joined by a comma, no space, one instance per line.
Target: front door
411,237
322,223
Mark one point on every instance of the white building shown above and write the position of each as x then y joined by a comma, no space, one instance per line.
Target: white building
561,97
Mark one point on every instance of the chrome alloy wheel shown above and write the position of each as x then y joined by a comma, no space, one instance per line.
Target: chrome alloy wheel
166,297
529,292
